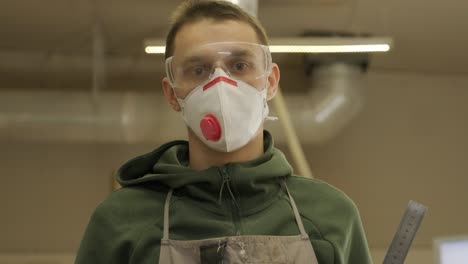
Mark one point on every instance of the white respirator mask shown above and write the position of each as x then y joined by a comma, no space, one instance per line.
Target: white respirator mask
225,114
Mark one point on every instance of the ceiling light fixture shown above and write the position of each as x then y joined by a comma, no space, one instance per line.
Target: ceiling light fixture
308,45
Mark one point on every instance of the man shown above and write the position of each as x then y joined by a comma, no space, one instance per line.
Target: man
227,195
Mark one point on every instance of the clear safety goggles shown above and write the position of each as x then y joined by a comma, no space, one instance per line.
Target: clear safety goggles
243,61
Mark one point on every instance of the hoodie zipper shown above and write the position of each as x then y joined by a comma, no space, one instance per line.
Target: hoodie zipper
230,201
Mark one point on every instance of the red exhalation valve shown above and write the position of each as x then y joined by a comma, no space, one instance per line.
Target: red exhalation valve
210,128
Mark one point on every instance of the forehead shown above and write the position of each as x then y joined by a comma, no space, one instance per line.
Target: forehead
199,33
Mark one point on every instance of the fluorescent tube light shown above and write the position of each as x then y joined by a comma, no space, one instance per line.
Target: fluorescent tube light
309,45
155,49
328,49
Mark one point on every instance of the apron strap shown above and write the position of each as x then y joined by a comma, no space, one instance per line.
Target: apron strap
166,216
296,212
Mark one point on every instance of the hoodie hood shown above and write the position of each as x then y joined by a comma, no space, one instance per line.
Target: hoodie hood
169,166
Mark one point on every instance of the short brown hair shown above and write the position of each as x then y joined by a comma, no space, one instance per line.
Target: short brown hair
195,10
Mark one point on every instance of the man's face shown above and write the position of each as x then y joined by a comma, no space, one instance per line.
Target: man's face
194,35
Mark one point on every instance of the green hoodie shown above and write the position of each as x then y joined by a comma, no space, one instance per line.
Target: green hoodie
235,199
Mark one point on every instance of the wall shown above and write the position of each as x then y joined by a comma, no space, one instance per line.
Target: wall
409,143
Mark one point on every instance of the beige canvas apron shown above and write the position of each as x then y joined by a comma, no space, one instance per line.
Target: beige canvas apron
238,249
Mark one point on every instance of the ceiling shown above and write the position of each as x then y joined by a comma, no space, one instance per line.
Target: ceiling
42,41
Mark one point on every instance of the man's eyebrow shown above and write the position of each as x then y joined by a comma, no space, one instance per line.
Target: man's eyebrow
192,59
235,53
239,53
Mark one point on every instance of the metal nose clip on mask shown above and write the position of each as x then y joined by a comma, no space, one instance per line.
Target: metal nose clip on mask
225,113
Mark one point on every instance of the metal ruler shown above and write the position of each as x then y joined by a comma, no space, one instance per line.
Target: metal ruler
405,234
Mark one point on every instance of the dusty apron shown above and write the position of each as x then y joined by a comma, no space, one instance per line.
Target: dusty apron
238,249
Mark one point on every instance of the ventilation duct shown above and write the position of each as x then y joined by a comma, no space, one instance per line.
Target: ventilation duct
335,97
127,117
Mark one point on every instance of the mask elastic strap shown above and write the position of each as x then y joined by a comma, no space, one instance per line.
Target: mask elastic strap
266,107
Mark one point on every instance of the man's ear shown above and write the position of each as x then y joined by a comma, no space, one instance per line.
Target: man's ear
273,81
170,95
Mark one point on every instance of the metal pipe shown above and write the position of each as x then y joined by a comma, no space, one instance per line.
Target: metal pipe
291,137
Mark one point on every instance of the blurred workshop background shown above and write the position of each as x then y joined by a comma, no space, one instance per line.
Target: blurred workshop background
79,96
